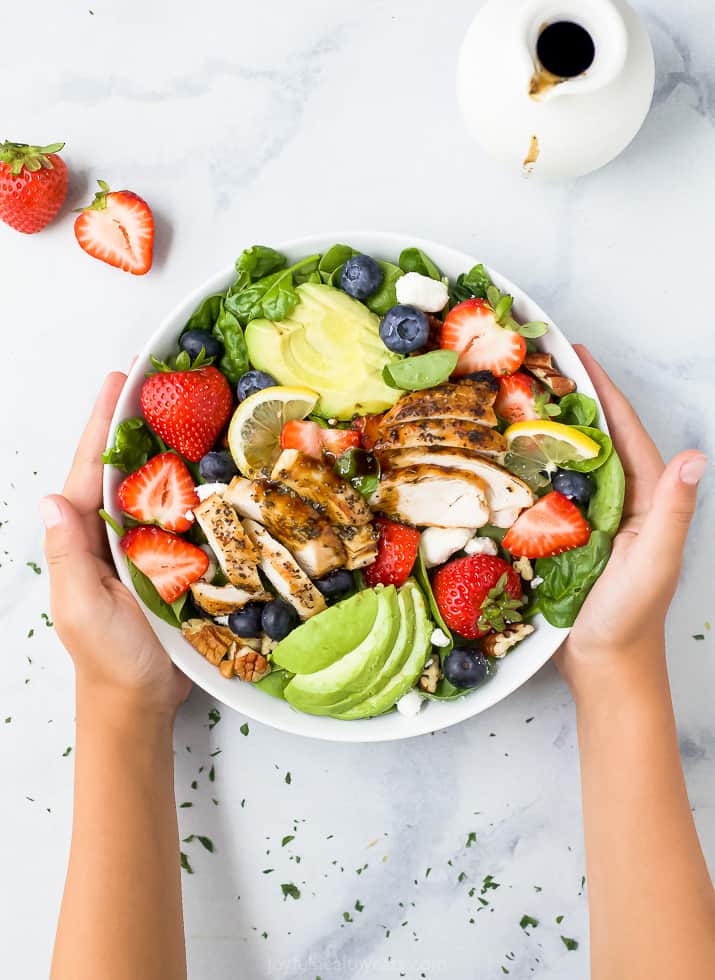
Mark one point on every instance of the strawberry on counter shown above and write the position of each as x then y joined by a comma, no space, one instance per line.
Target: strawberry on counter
33,185
117,228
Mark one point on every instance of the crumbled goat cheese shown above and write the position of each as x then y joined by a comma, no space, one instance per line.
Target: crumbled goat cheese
536,582
481,546
221,620
437,544
410,704
428,295
205,490
438,639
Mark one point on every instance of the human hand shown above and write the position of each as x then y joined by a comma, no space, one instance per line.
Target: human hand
623,617
116,654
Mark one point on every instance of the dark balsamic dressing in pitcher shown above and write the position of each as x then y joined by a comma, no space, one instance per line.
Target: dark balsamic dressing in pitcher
565,49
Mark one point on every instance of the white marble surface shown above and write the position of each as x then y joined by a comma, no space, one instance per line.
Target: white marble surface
255,122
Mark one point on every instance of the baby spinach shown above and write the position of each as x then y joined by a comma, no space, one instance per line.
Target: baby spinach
134,444
420,573
577,409
568,578
234,361
415,260
385,297
361,469
422,371
474,283
606,448
204,317
332,262
275,682
274,296
258,261
606,504
171,613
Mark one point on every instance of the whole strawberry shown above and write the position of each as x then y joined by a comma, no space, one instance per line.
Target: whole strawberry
477,594
188,409
33,185
397,548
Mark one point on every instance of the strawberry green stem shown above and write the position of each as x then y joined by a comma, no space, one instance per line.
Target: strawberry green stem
32,158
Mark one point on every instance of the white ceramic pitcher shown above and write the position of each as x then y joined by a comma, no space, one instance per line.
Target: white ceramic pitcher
533,105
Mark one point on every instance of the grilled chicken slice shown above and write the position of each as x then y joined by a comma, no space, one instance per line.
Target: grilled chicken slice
236,555
284,573
319,484
304,532
426,496
471,401
441,432
506,493
360,544
220,600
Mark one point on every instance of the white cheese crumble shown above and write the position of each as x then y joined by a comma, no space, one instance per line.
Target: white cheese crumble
437,544
409,704
189,515
481,546
205,490
210,573
428,295
536,581
221,620
439,639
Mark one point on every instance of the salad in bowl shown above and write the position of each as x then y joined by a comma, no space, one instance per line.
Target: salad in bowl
360,484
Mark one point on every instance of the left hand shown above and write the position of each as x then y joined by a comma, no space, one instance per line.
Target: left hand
116,654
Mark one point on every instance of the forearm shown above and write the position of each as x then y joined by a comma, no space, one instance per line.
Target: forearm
652,904
121,912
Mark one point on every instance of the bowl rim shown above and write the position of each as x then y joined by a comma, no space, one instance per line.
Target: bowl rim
250,701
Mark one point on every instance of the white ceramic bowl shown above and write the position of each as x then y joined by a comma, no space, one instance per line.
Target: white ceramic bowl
512,672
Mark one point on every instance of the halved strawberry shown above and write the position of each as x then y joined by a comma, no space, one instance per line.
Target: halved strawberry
518,398
170,563
117,228
161,492
303,435
551,526
472,329
337,441
368,426
397,549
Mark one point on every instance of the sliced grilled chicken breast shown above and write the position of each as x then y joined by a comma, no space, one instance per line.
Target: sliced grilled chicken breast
360,543
284,573
236,555
442,432
506,493
220,600
304,532
471,401
428,496
319,484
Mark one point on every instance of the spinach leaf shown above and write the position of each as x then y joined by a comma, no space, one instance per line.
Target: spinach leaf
134,444
568,578
415,260
204,317
606,504
385,297
275,682
259,261
589,465
171,613
274,296
420,573
577,409
474,283
422,371
362,469
234,362
333,261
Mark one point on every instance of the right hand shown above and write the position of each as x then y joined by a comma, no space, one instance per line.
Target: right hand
625,611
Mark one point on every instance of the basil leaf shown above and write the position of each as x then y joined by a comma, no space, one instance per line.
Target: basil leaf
228,330
577,409
385,297
134,444
171,613
605,507
366,485
204,317
422,371
415,260
333,261
606,448
362,469
474,283
568,578
259,261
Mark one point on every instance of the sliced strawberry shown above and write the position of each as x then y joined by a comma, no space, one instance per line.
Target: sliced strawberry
472,329
517,398
303,435
551,526
397,549
161,492
170,563
117,228
337,441
368,427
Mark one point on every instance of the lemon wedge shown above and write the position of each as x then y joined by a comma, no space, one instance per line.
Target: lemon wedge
535,449
254,434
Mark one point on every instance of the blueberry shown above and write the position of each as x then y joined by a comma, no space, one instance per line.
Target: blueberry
253,381
465,668
361,276
576,486
486,377
193,340
247,621
279,619
404,329
217,467
335,583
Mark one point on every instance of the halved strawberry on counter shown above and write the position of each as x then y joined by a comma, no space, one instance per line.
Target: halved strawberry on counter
170,563
312,439
117,228
472,328
520,398
551,526
161,492
397,548
477,594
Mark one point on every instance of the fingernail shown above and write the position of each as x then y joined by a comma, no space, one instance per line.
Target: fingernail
50,513
692,470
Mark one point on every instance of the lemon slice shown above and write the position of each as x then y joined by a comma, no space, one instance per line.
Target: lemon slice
535,449
255,431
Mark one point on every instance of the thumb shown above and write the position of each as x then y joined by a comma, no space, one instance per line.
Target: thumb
665,530
72,565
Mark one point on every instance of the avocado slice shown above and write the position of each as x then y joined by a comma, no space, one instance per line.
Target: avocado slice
331,343
315,693
330,635
401,682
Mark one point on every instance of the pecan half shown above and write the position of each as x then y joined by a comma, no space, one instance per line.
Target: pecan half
542,367
212,641
249,665
226,667
431,675
499,644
